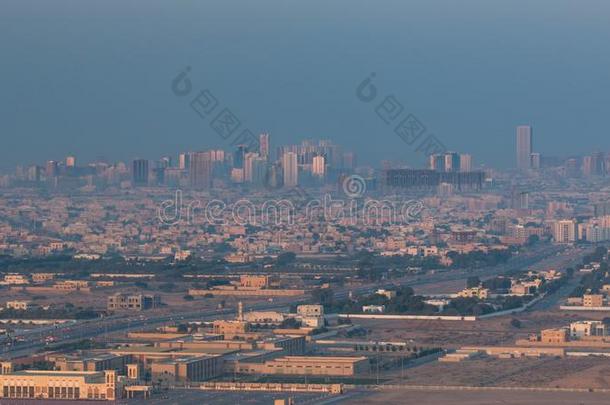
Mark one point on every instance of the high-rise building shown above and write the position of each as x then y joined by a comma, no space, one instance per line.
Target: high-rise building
161,167
594,165
184,161
259,171
524,146
452,162
164,162
465,163
565,231
318,167
290,168
587,166
437,162
263,145
200,171
139,172
217,155
248,165
447,162
70,161
51,169
308,149
571,168
239,156
598,164
524,200
535,161
34,173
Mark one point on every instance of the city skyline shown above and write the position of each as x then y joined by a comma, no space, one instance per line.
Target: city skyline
543,76
282,202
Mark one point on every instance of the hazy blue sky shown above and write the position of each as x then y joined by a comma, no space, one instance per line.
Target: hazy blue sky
92,78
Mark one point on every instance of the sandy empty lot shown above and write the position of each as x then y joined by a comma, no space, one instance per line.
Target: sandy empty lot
481,398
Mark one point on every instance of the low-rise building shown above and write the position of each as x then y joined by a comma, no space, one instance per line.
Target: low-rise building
187,369
389,294
39,278
311,365
230,329
373,309
15,279
560,335
593,300
67,385
72,285
135,302
310,310
98,362
18,304
258,281
474,292
583,329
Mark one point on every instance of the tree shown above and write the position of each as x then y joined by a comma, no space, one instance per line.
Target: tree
286,258
532,240
290,323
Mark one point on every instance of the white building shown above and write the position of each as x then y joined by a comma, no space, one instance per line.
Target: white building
582,329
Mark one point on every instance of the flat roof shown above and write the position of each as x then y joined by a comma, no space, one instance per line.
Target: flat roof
320,359
171,350
57,373
185,359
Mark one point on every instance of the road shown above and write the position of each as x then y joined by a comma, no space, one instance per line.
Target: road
545,256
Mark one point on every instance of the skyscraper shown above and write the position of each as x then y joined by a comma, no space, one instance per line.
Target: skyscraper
200,171
51,169
290,167
70,161
263,145
217,155
184,160
139,172
588,166
437,162
249,159
259,171
535,160
452,162
239,155
598,163
524,146
318,166
465,163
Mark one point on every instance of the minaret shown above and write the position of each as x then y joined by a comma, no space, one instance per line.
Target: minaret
240,311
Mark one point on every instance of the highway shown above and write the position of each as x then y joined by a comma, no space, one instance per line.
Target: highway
28,342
